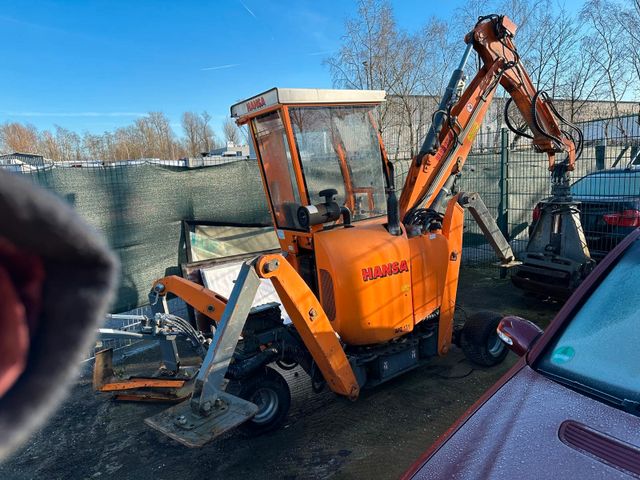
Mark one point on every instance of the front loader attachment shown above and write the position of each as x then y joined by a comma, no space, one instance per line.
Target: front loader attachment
211,411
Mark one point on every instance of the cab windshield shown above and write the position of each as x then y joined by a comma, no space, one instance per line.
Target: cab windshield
339,148
598,351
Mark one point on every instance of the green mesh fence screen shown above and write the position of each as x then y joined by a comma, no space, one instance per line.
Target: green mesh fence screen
140,208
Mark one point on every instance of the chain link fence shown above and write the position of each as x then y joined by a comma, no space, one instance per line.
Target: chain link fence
140,206
512,178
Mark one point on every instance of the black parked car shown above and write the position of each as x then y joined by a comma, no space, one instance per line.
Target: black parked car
610,207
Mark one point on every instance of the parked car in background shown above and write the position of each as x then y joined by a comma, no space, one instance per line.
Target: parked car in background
610,207
570,408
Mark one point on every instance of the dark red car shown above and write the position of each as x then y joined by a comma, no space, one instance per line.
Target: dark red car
570,408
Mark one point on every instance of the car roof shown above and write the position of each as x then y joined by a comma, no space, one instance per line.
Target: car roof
635,169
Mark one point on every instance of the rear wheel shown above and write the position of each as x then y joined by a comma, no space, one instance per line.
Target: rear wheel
480,342
270,392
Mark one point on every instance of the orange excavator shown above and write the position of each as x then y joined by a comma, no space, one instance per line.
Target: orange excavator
368,280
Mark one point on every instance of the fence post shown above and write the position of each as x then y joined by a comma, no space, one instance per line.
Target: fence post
634,156
601,154
503,185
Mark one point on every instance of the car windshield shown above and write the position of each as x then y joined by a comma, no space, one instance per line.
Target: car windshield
620,183
598,350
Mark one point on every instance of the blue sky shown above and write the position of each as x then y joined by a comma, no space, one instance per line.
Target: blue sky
96,65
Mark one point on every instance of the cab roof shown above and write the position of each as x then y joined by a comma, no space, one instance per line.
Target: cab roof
287,96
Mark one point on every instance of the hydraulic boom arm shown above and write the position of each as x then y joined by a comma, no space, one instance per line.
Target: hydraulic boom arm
460,115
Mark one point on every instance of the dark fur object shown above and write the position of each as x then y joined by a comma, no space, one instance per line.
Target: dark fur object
78,288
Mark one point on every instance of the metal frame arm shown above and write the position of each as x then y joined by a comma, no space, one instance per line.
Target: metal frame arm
202,299
489,228
311,323
534,105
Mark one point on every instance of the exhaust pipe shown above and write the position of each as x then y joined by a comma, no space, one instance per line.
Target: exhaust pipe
393,213
393,209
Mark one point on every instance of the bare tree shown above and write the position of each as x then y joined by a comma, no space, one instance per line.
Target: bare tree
48,145
198,134
442,48
606,48
93,147
367,56
231,132
208,138
629,19
583,81
16,137
153,136
364,57
69,144
191,128
409,78
467,14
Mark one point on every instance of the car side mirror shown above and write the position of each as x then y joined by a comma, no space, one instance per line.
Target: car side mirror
519,334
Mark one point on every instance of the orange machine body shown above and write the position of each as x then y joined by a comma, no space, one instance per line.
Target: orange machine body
373,286
377,281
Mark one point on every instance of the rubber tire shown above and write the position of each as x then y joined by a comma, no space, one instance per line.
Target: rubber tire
478,331
266,378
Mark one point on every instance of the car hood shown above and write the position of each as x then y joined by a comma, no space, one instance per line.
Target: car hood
516,434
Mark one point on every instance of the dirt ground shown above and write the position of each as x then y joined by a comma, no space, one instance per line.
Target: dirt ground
379,436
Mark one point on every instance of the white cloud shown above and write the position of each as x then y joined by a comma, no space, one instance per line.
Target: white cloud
322,52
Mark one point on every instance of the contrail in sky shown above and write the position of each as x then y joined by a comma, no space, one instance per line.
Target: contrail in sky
221,67
248,9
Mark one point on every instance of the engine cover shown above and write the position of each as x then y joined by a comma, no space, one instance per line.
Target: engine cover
365,280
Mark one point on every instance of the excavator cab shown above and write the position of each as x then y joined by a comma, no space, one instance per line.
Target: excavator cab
316,147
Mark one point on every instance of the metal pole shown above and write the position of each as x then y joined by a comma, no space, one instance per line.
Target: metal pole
503,206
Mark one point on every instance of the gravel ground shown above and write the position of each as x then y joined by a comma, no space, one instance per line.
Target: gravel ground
379,436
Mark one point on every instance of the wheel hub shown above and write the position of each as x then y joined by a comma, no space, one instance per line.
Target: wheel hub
495,345
267,402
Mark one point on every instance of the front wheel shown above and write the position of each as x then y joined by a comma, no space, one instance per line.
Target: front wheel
480,342
270,392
